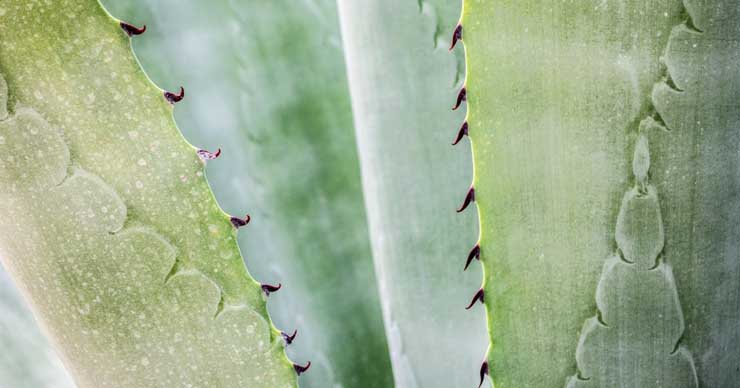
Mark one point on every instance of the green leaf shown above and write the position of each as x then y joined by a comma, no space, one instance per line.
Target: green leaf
403,82
266,83
27,359
605,142
108,224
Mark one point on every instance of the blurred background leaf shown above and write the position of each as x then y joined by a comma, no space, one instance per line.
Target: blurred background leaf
265,81
27,359
403,82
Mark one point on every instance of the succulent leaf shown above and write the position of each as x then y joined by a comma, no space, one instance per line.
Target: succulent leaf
403,81
108,224
266,83
27,359
570,106
605,175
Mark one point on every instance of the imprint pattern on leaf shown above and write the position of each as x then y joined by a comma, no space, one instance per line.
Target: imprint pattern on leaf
636,337
110,288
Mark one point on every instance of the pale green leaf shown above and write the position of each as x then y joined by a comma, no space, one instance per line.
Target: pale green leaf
266,83
108,224
27,359
403,82
605,141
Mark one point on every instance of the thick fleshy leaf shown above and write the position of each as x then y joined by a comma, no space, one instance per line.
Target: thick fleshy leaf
266,84
403,82
27,359
107,223
605,136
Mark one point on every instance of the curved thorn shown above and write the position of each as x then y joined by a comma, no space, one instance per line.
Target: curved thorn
268,288
483,372
300,369
462,96
173,98
240,222
468,199
474,253
478,297
207,155
462,132
289,338
131,29
457,35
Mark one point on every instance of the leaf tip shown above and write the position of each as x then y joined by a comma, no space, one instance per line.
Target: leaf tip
461,97
474,254
301,368
132,30
456,35
470,197
207,155
462,132
477,297
483,373
269,288
289,337
240,222
172,98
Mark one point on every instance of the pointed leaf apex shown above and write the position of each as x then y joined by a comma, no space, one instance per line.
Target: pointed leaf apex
474,253
483,373
478,297
462,132
456,35
300,369
207,155
240,222
269,288
173,98
289,338
461,97
470,197
132,30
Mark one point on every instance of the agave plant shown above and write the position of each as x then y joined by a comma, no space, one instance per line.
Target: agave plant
603,166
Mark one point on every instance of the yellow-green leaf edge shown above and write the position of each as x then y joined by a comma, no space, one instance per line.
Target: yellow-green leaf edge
108,223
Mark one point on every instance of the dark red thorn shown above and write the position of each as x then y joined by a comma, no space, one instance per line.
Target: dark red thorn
462,96
300,369
457,35
289,338
239,222
478,297
173,98
207,155
268,288
462,132
132,30
474,253
468,199
483,373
